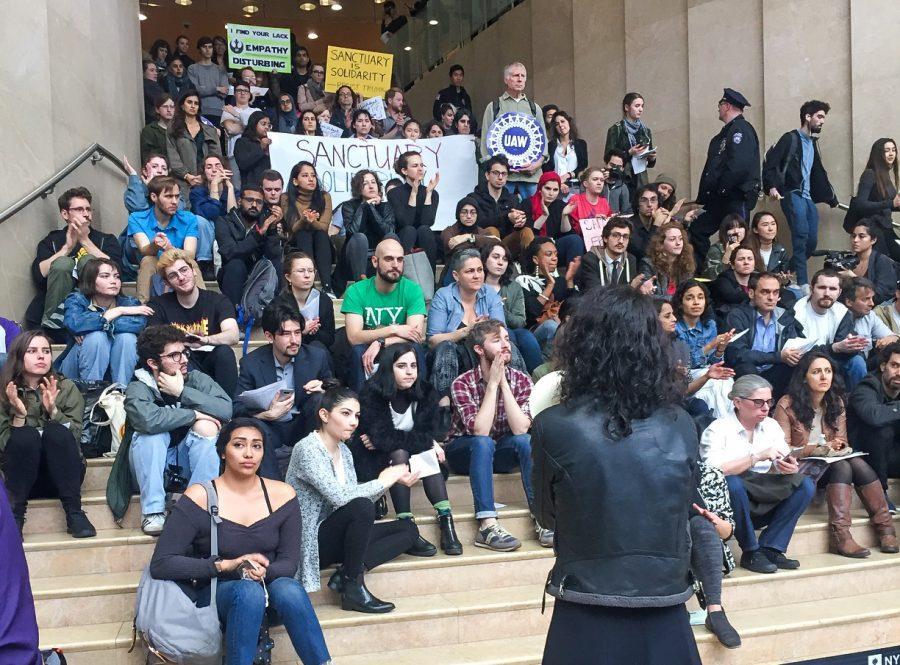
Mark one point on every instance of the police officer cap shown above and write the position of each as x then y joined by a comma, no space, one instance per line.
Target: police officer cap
735,98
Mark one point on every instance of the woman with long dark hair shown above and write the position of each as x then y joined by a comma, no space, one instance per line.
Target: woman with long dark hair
813,416
618,438
633,137
361,126
399,418
309,124
568,152
251,150
877,195
40,432
307,219
670,259
259,551
338,513
189,141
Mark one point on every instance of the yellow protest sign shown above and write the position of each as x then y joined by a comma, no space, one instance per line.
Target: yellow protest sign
367,72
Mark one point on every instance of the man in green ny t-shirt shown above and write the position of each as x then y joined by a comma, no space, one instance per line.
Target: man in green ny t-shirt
385,309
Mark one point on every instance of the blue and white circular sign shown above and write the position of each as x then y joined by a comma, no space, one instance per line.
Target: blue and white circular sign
519,136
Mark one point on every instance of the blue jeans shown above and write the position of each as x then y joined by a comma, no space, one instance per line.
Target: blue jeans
479,457
568,247
779,522
525,189
207,232
854,369
803,220
97,353
544,334
241,605
150,453
528,346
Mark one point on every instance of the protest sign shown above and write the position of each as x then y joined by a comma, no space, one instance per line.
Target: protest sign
332,131
265,49
592,231
338,160
519,136
367,72
375,107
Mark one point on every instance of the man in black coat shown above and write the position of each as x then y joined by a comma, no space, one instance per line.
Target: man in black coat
454,93
730,181
244,240
793,174
298,369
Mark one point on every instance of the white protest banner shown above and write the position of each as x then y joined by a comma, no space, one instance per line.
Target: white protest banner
338,160
266,49
592,231
375,107
331,131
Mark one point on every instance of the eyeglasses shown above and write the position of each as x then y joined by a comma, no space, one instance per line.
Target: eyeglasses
760,403
81,210
468,213
242,90
615,235
177,356
304,271
499,174
253,202
183,270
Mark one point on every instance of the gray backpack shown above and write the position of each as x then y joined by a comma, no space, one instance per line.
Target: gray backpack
173,629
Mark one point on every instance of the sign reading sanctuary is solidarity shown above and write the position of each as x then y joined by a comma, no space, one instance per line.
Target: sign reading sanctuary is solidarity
338,160
266,49
367,72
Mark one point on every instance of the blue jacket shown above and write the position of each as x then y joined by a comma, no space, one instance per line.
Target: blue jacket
81,318
446,311
206,206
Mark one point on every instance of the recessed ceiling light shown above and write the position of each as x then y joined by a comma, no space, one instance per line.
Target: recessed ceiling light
325,3
312,34
250,9
337,6
407,48
379,2
307,6
184,3
142,16
433,21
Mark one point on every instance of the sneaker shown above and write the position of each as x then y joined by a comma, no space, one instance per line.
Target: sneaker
496,538
757,562
717,623
153,524
892,509
545,536
779,559
79,526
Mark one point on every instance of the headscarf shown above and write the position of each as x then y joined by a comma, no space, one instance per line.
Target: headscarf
467,200
537,201
286,121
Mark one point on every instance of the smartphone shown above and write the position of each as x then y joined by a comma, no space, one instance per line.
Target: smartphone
732,238
192,337
285,393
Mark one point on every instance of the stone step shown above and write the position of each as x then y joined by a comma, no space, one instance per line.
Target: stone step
448,627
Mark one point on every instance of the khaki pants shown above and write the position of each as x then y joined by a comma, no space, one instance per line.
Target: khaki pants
59,284
516,242
148,268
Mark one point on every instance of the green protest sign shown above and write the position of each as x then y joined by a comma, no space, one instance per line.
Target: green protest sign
265,49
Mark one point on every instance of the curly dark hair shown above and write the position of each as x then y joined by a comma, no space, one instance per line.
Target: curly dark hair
678,298
801,402
613,353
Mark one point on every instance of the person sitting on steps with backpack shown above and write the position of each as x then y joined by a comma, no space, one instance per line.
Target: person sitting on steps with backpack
207,318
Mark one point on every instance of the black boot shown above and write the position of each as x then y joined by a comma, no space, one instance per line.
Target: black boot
18,510
421,547
78,525
336,581
717,623
357,598
449,542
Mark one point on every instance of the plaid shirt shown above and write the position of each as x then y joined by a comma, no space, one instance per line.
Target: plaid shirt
467,393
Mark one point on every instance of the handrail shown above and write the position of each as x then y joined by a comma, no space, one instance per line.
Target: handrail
95,152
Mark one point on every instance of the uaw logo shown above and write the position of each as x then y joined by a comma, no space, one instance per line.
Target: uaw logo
519,136
236,46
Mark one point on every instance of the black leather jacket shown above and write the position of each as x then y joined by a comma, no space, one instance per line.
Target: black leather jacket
619,508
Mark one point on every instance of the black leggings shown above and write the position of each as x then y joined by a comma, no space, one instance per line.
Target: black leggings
434,486
316,244
350,536
854,471
43,465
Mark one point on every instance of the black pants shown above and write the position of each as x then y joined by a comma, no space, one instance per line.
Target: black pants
883,446
707,223
316,244
779,375
220,365
233,276
434,486
43,465
350,536
854,471
422,236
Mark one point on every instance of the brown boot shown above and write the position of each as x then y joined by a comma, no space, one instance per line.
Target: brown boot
872,496
839,539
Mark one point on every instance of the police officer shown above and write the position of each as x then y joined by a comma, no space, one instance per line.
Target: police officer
730,181
454,93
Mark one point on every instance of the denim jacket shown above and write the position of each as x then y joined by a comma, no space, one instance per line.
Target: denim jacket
446,311
696,338
81,317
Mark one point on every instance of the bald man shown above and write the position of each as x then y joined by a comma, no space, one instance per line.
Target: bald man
382,310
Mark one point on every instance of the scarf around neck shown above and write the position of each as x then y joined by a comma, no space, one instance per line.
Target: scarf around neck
632,128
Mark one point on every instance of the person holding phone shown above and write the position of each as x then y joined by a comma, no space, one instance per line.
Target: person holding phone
399,417
337,512
732,232
764,483
633,137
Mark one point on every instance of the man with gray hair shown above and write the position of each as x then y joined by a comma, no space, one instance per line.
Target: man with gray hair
764,485
513,100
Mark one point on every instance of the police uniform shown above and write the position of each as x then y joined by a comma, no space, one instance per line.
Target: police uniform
451,95
730,181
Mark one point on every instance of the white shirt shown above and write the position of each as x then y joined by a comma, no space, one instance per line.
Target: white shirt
404,421
726,440
765,254
243,117
565,163
819,328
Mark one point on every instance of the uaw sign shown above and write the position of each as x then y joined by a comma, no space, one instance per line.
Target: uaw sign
337,160
519,136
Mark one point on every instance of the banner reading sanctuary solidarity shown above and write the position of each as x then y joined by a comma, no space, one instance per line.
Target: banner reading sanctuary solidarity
338,160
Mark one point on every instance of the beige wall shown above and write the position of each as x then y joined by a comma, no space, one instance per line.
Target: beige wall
78,82
680,54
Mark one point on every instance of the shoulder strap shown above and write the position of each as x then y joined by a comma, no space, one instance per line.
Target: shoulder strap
789,153
212,507
496,108
533,107
266,494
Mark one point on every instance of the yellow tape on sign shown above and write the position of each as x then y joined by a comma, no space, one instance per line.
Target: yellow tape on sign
367,72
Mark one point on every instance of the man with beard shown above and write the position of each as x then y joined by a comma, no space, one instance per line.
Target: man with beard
207,318
489,431
793,174
874,417
297,369
825,323
245,238
382,310
612,264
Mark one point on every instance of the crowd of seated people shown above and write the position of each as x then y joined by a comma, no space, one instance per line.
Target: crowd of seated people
446,381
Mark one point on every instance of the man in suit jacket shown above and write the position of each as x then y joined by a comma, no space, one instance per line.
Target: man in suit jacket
611,264
298,368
